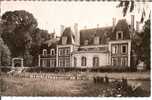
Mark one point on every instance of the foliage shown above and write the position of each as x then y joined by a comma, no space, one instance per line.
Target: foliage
141,43
146,43
125,5
21,34
17,28
129,6
4,54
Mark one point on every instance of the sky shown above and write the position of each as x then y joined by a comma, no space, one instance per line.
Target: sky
51,15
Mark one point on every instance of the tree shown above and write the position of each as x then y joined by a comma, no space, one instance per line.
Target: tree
141,44
18,27
129,6
39,36
145,45
22,36
5,55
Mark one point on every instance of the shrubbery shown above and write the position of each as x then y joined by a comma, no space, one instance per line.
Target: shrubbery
99,69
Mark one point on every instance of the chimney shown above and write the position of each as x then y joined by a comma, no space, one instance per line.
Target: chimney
137,26
62,27
77,34
132,22
97,25
113,22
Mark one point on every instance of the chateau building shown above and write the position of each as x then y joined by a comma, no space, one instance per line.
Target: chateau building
90,48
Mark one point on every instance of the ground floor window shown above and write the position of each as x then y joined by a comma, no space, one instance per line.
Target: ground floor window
52,63
95,61
114,61
75,61
44,62
61,63
124,61
64,62
83,61
67,62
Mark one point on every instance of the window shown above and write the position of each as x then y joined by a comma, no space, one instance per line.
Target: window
119,35
95,61
114,61
52,63
48,62
124,61
44,63
67,51
75,62
44,52
114,49
67,62
52,52
96,40
61,62
60,52
64,40
86,42
83,61
124,49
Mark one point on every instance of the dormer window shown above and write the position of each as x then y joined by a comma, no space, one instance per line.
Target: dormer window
64,40
86,42
119,35
52,52
44,52
96,40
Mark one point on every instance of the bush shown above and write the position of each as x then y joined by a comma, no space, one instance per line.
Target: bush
5,69
113,69
70,69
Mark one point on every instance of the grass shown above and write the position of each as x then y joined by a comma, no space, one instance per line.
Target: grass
16,86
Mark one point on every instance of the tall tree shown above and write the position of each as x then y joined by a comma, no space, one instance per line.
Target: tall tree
5,55
129,6
146,43
18,27
22,36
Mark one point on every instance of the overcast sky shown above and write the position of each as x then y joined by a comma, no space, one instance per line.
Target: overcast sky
50,15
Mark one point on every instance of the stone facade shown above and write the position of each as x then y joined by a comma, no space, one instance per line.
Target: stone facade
91,48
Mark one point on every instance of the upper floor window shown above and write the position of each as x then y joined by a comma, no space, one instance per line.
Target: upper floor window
67,51
86,42
114,49
44,52
64,40
96,40
119,35
60,52
83,61
124,49
52,52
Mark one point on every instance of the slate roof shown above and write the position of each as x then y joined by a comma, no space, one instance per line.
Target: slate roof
123,26
89,34
105,33
69,34
48,48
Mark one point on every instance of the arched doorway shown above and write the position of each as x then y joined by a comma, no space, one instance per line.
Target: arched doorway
17,62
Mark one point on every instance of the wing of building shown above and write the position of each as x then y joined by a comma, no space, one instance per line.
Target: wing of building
90,48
